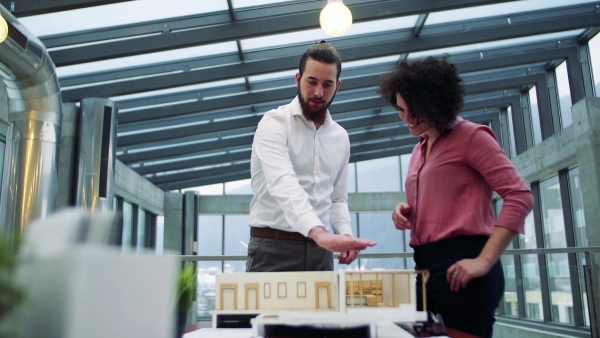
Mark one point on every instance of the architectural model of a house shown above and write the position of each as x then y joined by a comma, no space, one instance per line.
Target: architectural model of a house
340,296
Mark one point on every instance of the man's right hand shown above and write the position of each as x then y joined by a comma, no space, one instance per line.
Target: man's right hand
338,243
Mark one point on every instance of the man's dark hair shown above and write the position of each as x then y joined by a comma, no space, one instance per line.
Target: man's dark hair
431,88
321,51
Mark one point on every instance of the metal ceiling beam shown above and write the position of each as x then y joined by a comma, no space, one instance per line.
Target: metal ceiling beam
289,19
465,62
196,107
185,150
242,171
385,44
375,141
174,151
124,141
174,133
220,175
214,69
22,8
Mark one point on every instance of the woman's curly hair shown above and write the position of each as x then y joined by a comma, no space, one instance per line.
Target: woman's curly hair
431,88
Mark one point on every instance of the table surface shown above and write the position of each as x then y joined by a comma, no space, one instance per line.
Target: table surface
219,333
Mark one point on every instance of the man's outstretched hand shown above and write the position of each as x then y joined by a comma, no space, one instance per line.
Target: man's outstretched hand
338,243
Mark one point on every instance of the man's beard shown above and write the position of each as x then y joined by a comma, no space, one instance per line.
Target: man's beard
317,116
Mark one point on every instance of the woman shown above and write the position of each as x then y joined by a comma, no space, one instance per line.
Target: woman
453,172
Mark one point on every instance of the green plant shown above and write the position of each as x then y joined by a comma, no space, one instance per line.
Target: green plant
188,283
10,294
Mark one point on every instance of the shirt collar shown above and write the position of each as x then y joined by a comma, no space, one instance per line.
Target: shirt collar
297,110
452,125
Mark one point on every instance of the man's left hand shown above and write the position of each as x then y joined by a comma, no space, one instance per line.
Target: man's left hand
347,257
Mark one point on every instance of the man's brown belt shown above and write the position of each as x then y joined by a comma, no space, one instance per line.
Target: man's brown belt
273,233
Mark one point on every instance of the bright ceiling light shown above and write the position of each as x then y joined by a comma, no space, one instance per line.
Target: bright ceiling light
335,18
3,29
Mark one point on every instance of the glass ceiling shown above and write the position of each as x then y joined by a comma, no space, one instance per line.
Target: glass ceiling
215,84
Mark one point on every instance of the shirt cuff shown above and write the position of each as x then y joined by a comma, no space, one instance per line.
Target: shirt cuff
307,222
345,229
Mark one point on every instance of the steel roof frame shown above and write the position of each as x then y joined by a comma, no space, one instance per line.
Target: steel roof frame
192,137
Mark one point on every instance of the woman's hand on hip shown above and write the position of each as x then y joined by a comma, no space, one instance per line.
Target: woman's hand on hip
460,273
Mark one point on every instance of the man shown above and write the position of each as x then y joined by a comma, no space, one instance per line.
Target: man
299,170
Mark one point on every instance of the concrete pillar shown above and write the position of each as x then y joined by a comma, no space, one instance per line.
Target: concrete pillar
586,123
173,229
181,218
190,222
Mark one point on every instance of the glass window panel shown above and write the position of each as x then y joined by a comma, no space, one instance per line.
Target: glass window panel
141,231
286,74
594,46
552,214
404,162
498,203
352,177
195,87
509,304
511,132
528,240
555,237
127,234
250,3
369,62
507,9
207,272
237,234
354,221
580,234
210,235
496,44
234,266
104,16
381,263
382,174
531,272
160,234
311,35
564,94
2,154
531,287
378,227
212,189
535,116
241,187
577,205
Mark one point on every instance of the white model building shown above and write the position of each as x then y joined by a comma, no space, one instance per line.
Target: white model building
320,298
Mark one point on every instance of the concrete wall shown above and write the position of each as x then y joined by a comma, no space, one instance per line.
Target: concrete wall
578,144
136,189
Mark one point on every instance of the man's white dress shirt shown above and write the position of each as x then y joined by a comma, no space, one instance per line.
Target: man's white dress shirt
299,173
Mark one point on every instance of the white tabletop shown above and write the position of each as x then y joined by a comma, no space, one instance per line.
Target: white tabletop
219,333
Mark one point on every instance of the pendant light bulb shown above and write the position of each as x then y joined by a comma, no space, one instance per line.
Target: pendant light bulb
335,18
3,29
